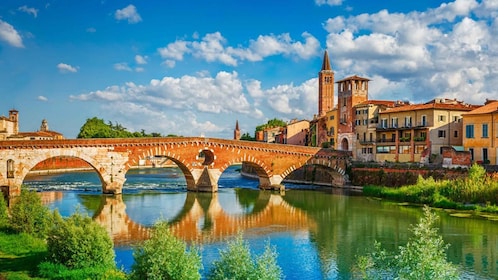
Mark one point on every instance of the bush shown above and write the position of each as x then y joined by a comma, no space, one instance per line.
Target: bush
4,217
164,256
79,242
29,215
423,257
236,263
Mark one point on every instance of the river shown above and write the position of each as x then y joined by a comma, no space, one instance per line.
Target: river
318,233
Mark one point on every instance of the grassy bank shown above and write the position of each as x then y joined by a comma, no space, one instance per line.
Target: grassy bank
478,191
20,255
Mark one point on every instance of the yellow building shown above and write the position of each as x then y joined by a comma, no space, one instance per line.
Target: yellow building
480,135
9,125
404,133
295,133
332,122
365,126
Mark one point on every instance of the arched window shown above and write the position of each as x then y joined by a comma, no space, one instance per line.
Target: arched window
10,168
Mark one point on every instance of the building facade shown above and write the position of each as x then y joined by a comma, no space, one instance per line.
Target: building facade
480,133
405,132
295,132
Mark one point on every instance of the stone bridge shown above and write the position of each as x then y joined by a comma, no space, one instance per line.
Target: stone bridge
202,160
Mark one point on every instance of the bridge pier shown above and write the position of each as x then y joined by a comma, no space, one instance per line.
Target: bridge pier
206,180
273,182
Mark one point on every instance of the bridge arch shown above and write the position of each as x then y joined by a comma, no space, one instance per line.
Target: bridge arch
333,167
259,167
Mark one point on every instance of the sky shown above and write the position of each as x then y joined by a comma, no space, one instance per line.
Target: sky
193,68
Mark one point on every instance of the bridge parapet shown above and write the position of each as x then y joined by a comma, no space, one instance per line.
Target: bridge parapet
202,160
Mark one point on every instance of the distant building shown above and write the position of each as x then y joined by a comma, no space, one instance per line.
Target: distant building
236,132
295,132
480,133
9,129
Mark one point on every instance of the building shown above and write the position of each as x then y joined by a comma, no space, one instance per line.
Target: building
351,91
405,132
480,133
236,131
325,87
9,129
295,132
9,125
331,123
365,125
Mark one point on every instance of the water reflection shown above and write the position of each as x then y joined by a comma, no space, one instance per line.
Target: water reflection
202,218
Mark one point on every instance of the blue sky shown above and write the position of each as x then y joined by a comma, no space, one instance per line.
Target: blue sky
195,67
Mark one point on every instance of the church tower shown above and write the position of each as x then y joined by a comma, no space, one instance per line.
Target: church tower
236,131
325,87
14,118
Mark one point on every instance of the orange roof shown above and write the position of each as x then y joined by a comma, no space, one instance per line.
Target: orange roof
36,134
388,103
440,106
354,77
491,107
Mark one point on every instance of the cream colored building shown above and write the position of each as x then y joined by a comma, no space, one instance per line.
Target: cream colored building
9,125
404,133
9,129
295,133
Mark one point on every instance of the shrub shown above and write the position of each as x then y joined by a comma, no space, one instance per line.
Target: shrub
4,217
423,257
236,263
60,272
29,215
164,256
79,242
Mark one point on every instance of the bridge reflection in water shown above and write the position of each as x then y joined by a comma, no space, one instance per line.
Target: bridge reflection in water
203,219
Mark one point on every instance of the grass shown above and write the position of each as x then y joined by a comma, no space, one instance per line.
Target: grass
20,255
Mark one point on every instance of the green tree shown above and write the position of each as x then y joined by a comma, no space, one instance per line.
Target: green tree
246,136
271,124
423,257
79,242
164,256
237,263
29,215
4,217
97,128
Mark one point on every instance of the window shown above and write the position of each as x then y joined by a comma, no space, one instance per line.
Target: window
394,122
442,118
344,102
364,136
382,149
332,118
455,133
371,137
383,123
485,155
408,121
424,120
469,131
484,130
456,118
441,133
10,168
471,150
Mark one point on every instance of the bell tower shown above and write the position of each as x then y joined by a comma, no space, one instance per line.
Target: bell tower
325,87
236,131
14,118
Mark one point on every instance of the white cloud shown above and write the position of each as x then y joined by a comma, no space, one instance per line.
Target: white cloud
213,48
446,51
139,59
91,30
328,2
122,66
128,13
42,98
10,35
66,68
28,10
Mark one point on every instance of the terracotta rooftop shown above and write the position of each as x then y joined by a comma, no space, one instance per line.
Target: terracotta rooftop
35,134
458,106
491,107
355,77
388,103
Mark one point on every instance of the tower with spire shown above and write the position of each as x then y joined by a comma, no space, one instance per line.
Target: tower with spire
236,131
325,87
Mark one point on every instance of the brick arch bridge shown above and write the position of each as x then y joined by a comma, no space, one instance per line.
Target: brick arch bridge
202,160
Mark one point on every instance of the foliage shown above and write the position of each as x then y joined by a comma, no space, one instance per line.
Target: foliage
271,124
236,262
79,242
60,272
473,192
247,137
164,256
4,214
97,128
29,215
423,257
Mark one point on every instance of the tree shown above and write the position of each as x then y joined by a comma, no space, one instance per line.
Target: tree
29,215
97,128
236,263
246,136
271,124
79,242
164,256
423,257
